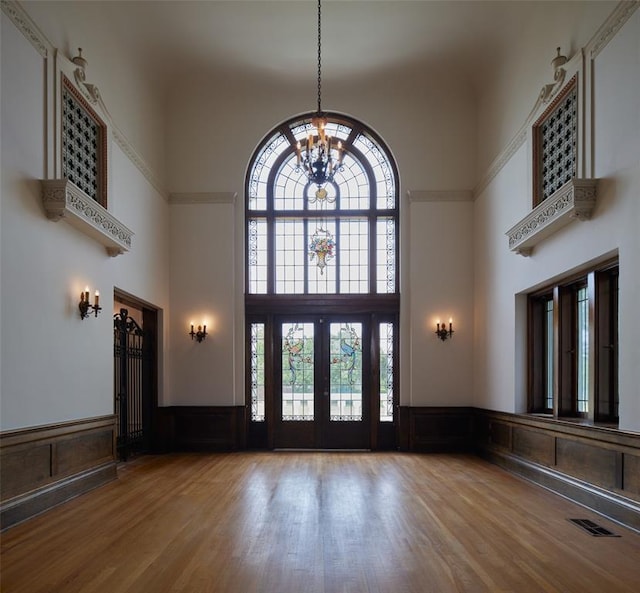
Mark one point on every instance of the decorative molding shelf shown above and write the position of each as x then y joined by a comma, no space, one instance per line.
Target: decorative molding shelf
62,200
575,200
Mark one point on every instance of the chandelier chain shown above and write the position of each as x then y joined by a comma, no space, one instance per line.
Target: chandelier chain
319,56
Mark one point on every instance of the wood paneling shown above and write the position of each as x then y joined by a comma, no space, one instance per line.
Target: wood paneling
598,467
24,468
44,466
203,428
631,475
438,429
500,434
534,445
592,463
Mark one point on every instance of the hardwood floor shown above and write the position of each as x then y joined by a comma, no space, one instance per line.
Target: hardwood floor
316,523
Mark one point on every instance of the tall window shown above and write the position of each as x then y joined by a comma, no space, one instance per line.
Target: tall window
573,343
322,291
343,243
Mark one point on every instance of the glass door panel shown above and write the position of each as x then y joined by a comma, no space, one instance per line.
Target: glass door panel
345,355
298,366
322,384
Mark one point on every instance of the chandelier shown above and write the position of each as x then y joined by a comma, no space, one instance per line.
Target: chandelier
319,156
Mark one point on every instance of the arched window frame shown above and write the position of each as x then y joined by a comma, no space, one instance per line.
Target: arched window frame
265,210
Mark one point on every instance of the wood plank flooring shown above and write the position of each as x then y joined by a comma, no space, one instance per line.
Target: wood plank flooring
316,522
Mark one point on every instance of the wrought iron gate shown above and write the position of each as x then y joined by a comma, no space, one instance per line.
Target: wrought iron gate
130,358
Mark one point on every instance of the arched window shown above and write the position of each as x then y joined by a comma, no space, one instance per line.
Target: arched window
299,242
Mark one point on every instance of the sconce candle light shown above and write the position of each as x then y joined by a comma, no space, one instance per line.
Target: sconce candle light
442,332
86,308
199,335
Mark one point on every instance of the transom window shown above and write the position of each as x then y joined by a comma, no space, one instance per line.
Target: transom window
338,239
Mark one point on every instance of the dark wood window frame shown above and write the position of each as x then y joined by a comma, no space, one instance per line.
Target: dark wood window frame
601,284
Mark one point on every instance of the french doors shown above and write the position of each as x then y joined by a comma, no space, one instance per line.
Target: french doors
322,382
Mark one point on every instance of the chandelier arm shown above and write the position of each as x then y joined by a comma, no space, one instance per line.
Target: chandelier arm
319,57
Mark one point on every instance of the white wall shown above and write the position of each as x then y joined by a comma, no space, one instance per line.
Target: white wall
203,293
508,94
124,82
214,126
56,367
500,276
203,136
440,287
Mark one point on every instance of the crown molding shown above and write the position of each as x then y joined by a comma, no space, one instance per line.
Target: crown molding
614,22
502,159
30,30
26,26
139,162
220,197
611,26
418,195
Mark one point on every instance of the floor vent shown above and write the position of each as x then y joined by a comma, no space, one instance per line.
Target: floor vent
593,528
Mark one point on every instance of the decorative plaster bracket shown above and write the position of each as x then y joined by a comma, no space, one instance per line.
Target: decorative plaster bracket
559,73
62,200
575,200
90,91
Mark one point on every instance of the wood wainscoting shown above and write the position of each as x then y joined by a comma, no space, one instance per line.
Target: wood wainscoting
44,466
437,429
202,428
594,466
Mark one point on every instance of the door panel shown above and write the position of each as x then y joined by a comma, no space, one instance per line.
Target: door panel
322,384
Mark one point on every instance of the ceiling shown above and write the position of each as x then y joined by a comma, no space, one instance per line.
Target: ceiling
279,38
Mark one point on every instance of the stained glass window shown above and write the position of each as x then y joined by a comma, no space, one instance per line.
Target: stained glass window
303,239
386,372
257,372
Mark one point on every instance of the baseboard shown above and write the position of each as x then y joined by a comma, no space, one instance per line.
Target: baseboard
617,508
43,466
29,505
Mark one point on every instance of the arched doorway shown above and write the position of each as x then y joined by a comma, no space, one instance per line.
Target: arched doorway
322,293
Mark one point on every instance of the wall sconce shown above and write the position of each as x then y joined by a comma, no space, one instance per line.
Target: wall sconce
442,332
86,308
199,335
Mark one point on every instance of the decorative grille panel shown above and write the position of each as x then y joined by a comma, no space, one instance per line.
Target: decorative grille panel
82,146
557,142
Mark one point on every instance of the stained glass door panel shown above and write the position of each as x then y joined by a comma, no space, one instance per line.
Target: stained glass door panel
345,355
323,382
298,363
